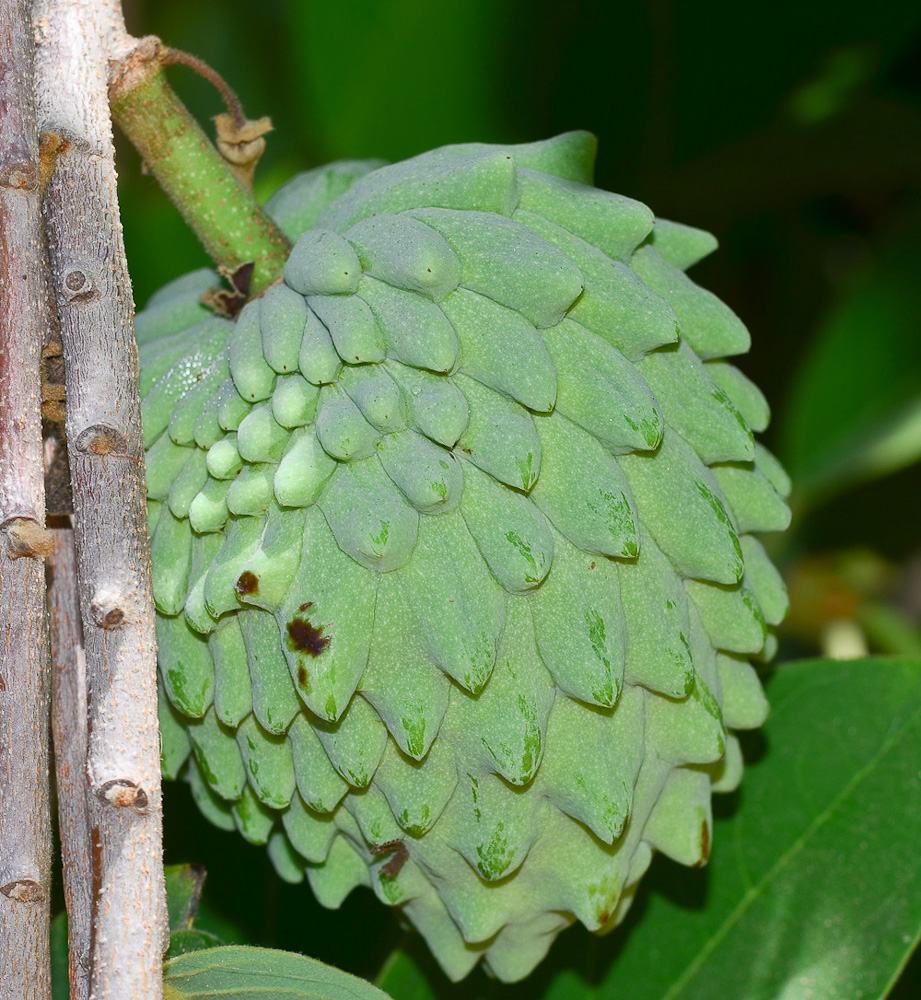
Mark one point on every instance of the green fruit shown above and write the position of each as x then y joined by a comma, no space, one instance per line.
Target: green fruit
455,582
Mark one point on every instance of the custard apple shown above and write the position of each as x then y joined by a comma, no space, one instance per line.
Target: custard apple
453,545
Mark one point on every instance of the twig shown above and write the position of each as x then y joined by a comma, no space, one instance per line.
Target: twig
68,725
25,823
93,294
201,183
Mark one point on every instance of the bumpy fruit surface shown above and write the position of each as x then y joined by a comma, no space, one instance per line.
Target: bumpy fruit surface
453,546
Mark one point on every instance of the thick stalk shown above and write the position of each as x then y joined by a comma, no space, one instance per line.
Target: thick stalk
93,294
213,200
25,823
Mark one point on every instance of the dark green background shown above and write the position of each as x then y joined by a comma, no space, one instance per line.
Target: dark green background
791,130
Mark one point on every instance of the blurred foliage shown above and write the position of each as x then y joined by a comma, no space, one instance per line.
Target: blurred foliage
793,133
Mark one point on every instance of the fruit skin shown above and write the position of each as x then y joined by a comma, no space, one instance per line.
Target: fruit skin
453,562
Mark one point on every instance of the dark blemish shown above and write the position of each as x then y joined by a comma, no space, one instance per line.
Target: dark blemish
604,917
303,637
304,607
95,875
393,866
592,566
241,277
704,845
248,583
302,676
466,451
24,890
229,303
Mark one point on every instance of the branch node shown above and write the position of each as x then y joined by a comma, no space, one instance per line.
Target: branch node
26,537
24,890
124,793
78,285
20,175
51,145
108,610
100,439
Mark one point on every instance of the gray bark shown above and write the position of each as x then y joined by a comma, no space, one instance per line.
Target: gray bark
68,726
93,294
25,823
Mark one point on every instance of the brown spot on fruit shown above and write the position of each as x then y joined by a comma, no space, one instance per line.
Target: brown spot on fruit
302,676
248,583
304,607
393,866
704,845
305,638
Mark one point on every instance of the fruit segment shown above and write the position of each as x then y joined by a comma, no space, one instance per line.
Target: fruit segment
415,330
500,437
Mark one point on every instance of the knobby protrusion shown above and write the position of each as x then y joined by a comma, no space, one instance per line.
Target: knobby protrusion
25,537
77,285
101,439
18,176
109,609
124,793
24,890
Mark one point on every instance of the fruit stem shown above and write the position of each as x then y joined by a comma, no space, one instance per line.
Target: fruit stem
212,198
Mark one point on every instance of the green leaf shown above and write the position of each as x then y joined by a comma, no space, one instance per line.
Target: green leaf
183,892
237,972
403,977
814,887
182,942
60,975
855,408
440,60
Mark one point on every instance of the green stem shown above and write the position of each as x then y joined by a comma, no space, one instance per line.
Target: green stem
225,215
